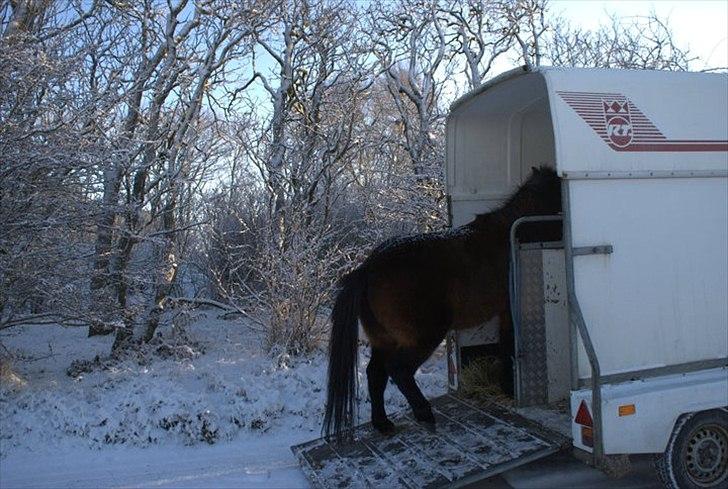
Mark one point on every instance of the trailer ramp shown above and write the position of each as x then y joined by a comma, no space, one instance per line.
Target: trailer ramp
472,440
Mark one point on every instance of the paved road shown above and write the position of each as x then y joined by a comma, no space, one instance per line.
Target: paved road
562,471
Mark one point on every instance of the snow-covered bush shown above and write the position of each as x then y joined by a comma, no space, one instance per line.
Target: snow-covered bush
207,383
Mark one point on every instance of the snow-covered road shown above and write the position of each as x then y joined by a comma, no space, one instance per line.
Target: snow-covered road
258,464
262,463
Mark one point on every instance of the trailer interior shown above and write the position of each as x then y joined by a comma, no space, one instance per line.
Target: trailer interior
493,144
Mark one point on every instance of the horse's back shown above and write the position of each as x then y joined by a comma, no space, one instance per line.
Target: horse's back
412,285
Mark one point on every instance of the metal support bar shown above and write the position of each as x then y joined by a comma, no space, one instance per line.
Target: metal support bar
543,245
592,250
605,175
681,368
577,318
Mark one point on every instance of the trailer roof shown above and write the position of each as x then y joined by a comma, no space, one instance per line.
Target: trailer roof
609,122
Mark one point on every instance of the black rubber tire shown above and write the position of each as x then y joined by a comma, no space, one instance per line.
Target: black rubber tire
676,467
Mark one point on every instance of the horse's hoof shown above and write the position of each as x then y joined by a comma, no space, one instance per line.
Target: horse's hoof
424,416
430,426
385,427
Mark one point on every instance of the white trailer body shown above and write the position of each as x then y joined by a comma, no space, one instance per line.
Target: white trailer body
643,157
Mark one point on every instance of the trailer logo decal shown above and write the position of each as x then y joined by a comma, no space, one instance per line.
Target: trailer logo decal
619,126
623,127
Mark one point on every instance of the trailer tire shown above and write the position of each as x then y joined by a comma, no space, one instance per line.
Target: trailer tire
696,456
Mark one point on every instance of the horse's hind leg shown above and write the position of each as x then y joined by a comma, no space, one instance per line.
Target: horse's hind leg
506,350
402,367
377,379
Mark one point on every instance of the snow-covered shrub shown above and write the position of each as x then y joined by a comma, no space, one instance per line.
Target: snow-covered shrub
233,391
282,272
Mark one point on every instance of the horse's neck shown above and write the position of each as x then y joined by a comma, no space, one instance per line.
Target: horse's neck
492,228
497,224
522,204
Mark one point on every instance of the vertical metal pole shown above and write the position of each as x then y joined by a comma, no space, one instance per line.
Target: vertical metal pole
568,262
576,317
448,200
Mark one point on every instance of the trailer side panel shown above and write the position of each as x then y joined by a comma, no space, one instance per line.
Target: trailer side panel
660,298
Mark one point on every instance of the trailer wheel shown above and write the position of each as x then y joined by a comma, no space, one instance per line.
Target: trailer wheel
697,453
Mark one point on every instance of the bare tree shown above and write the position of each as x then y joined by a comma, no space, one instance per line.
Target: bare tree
195,54
48,158
292,245
162,41
633,43
528,25
481,31
411,46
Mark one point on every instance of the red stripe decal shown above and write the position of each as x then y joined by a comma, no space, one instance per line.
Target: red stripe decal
626,128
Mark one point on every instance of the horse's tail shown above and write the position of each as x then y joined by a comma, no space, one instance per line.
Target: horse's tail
343,355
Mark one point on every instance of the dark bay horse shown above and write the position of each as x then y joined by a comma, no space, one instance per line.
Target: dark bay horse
410,291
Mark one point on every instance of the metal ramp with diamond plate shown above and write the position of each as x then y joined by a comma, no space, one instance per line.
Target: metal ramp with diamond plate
471,441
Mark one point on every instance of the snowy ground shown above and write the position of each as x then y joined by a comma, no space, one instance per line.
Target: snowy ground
207,410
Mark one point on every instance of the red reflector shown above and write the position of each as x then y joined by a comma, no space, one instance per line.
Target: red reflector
583,416
587,437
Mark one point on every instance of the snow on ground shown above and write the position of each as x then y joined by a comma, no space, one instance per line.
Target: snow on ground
209,408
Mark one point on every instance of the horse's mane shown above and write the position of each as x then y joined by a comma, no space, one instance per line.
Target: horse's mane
542,181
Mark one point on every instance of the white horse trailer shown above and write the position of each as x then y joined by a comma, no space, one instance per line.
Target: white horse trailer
625,319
